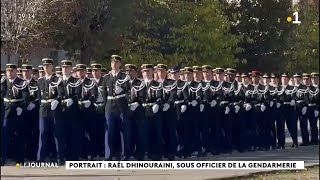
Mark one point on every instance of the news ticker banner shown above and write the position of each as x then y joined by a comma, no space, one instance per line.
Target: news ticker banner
185,165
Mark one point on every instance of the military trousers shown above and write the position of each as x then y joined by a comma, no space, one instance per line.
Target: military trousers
31,132
51,124
169,127
313,121
12,124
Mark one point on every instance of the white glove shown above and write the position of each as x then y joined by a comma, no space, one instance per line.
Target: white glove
292,103
30,106
69,102
183,108
134,106
237,108
227,110
201,107
54,105
278,105
213,103
248,107
100,99
118,90
87,104
304,110
194,103
166,106
263,107
19,111
155,108
271,103
316,113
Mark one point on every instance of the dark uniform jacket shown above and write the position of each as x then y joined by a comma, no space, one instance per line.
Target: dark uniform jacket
89,91
15,94
49,90
169,92
116,102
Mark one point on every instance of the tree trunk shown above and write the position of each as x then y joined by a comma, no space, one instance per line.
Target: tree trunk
85,55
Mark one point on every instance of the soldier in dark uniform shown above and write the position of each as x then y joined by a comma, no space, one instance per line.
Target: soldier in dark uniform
41,71
238,77
155,73
301,108
35,74
313,108
136,128
168,113
71,111
248,114
274,107
195,111
180,105
31,115
152,95
116,87
50,93
15,93
58,70
287,95
99,112
87,111
210,107
228,107
219,106
181,75
261,101
236,99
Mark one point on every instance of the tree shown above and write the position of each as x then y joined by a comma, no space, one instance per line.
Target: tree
18,18
303,53
179,32
265,29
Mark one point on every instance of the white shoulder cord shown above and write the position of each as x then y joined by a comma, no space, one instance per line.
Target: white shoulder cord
119,82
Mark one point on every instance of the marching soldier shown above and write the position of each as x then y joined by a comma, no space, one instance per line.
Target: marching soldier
100,112
116,87
50,93
19,73
136,126
236,99
15,93
274,108
301,108
313,108
152,95
227,104
248,114
31,116
168,115
87,111
180,105
181,75
71,111
209,107
287,94
261,101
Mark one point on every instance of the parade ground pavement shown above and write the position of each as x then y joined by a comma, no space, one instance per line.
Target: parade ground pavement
308,154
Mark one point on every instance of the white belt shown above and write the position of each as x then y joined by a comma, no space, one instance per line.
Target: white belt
12,100
148,104
311,104
300,101
224,102
179,102
286,102
47,101
116,97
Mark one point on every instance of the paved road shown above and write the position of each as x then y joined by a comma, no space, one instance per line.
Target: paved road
308,154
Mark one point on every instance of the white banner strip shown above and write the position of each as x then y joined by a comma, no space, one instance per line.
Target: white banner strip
192,165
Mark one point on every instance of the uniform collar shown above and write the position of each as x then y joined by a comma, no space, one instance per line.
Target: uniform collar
12,80
66,78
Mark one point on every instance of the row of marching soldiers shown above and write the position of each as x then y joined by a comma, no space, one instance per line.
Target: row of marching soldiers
71,114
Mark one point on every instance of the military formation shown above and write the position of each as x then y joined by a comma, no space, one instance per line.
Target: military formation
86,113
